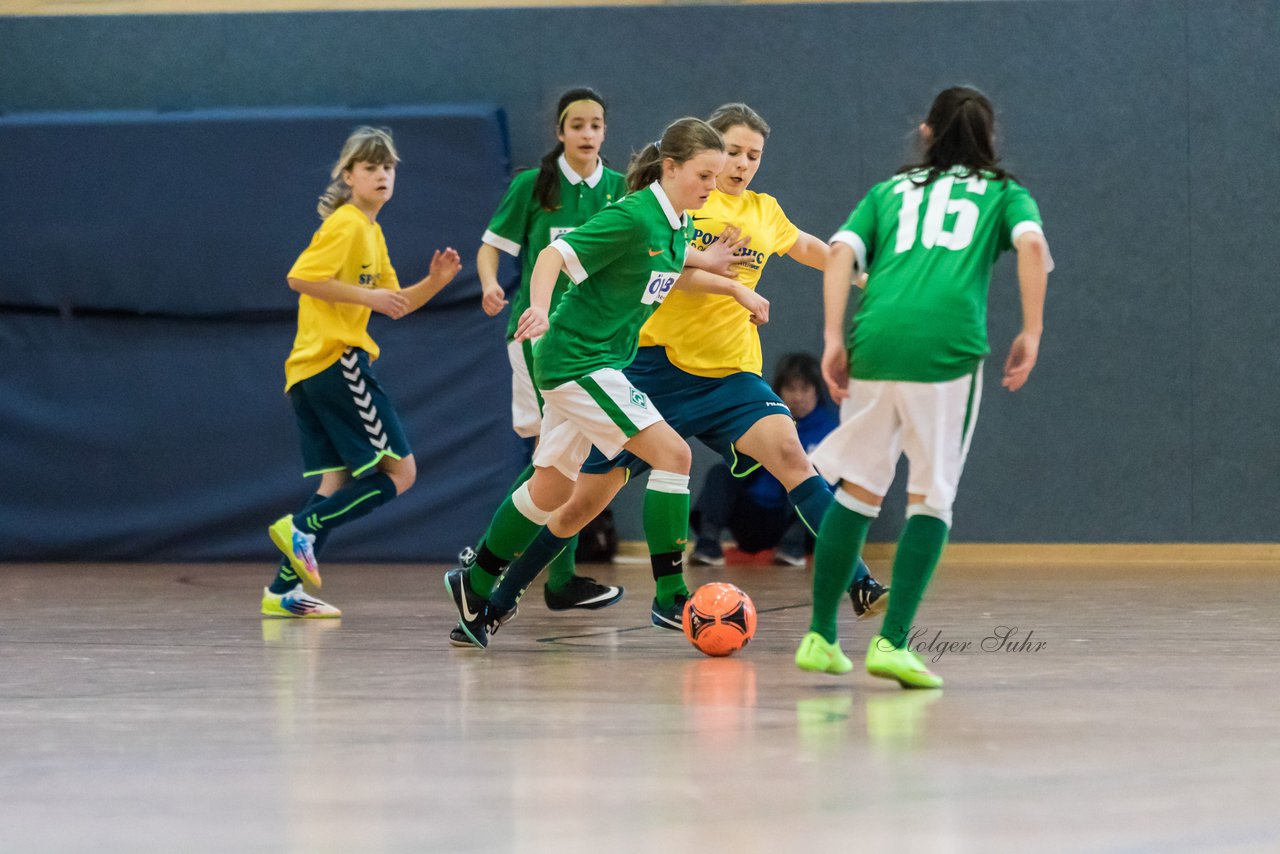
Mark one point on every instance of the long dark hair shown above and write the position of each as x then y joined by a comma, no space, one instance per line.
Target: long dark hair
962,123
803,367
683,140
546,189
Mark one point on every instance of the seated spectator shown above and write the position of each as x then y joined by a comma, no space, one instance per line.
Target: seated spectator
754,509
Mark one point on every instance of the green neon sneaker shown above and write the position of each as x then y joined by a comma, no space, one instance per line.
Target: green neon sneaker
890,662
298,547
297,603
818,656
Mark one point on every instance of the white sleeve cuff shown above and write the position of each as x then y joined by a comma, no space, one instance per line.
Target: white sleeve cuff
854,241
571,263
1028,226
501,243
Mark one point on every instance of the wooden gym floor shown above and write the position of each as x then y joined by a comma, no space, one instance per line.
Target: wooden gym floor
148,708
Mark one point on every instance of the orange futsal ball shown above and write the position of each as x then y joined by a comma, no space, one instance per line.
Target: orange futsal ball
719,619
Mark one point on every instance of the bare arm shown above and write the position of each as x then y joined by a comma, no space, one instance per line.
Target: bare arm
701,282
487,261
391,303
444,266
542,285
1034,264
809,251
835,303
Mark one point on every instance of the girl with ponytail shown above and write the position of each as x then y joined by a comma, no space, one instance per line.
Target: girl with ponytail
909,370
624,262
570,185
351,436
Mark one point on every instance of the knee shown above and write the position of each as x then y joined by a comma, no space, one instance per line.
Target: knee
403,474
793,459
677,459
571,518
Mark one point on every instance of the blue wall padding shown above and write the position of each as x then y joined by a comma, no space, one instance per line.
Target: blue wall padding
203,213
1145,128
145,439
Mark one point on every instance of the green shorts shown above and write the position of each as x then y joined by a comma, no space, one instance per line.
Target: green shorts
346,420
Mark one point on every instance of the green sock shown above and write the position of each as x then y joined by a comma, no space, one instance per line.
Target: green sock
510,531
835,556
509,534
919,550
666,530
482,581
560,570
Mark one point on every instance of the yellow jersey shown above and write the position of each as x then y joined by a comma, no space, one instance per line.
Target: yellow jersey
349,248
710,335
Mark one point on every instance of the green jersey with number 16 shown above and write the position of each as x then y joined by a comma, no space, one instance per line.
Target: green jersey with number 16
929,250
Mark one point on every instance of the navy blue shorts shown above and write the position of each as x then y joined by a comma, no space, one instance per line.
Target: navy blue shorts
346,420
715,411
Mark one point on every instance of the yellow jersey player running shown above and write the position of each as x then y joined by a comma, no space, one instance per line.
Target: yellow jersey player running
910,375
351,435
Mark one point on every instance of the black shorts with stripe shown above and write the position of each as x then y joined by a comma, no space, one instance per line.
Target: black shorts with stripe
346,420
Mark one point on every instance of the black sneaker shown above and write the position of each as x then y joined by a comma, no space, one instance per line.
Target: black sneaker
869,597
671,617
472,609
581,592
458,637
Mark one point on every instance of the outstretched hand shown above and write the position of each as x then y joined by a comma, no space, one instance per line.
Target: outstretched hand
721,256
444,265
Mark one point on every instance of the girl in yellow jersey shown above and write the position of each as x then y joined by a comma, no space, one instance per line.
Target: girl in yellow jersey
351,435
699,361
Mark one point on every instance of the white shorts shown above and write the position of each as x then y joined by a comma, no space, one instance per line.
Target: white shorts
931,422
602,409
526,404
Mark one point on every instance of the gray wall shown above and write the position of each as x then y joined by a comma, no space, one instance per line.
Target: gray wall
1147,130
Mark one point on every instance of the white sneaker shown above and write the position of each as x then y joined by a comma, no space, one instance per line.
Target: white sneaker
296,603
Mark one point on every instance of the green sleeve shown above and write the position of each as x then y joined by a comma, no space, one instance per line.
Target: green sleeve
598,242
1021,213
509,226
859,231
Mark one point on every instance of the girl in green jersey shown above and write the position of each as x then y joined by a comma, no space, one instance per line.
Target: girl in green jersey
910,375
624,262
569,186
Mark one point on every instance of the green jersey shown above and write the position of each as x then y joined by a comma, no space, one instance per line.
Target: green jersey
523,227
929,251
623,262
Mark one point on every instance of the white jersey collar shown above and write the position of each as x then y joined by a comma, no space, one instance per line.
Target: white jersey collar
574,178
676,220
